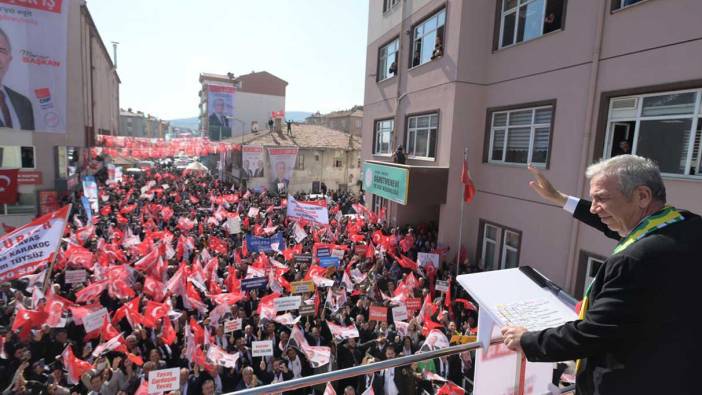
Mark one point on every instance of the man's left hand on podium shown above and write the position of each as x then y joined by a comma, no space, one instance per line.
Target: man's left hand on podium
512,337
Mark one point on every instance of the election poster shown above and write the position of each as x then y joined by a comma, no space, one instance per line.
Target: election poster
252,161
31,246
282,161
315,212
33,52
220,111
90,192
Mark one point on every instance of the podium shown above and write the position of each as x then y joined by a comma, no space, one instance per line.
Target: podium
519,297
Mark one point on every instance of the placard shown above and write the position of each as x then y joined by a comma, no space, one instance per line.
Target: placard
425,258
94,320
164,380
337,253
287,303
378,313
301,287
399,313
262,348
75,276
306,309
329,261
248,284
441,286
232,325
413,304
253,211
303,258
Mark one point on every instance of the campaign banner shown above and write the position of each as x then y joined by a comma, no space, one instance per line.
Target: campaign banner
301,287
164,380
262,348
287,303
90,191
378,313
252,161
33,48
425,258
220,111
248,284
232,325
315,212
31,246
264,244
282,164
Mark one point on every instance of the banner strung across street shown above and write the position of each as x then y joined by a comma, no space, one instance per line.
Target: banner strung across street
309,211
282,164
33,52
31,246
252,165
220,110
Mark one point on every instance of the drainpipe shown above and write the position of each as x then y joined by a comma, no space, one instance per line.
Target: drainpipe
586,151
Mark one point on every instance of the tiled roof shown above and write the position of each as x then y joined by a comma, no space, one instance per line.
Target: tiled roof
304,136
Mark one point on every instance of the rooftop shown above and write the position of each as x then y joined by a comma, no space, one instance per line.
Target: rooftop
304,136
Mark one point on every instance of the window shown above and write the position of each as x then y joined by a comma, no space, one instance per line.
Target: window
521,135
421,135
428,39
338,163
664,127
300,164
499,246
523,20
619,4
389,5
387,60
383,137
16,157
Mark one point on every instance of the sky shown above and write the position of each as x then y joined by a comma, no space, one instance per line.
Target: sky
317,46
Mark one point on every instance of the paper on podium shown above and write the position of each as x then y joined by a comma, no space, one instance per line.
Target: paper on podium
510,297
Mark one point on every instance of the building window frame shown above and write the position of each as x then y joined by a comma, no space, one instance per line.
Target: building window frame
383,128
389,6
499,242
419,34
501,15
378,202
300,162
19,149
338,163
491,130
617,115
586,271
432,131
617,5
385,69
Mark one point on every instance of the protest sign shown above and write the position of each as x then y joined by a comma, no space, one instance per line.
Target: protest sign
164,380
264,244
413,304
301,287
232,325
75,276
424,258
306,309
262,348
287,303
442,286
399,313
248,284
94,320
378,313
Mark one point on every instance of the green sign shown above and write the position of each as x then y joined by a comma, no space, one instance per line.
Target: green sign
389,182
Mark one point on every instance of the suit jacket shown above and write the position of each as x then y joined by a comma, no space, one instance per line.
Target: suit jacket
404,381
23,109
636,336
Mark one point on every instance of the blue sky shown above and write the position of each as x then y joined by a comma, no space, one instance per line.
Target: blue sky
318,46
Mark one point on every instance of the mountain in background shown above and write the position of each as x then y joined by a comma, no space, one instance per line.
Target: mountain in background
194,122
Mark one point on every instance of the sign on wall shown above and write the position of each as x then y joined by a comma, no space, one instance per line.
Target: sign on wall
389,182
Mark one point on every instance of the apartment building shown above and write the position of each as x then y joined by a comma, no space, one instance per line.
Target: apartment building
556,83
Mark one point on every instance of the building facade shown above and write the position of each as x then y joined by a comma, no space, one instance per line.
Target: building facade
324,156
349,121
556,83
138,124
256,96
51,163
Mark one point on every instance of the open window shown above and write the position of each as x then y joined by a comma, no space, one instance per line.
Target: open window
523,20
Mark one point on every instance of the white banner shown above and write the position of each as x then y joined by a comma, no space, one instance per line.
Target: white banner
29,247
252,157
282,164
33,52
313,212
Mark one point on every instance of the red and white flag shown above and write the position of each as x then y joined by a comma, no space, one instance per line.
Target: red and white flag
468,186
450,389
343,332
329,390
287,319
91,292
31,246
317,355
434,341
75,367
219,357
8,186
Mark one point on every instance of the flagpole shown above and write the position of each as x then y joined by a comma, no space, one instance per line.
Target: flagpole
460,226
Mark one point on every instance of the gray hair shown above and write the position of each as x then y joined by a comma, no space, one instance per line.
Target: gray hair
632,171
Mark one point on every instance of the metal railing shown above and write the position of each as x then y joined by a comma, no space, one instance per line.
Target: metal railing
354,371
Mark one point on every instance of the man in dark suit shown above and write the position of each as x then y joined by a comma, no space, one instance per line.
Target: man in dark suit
634,335
15,109
218,122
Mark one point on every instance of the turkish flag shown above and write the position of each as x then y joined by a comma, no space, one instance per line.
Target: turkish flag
468,186
153,312
8,186
450,389
75,367
168,334
79,256
91,292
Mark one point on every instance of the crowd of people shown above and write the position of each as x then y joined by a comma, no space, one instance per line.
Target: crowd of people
170,256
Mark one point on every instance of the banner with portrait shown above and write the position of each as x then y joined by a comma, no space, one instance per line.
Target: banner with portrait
282,161
33,52
252,161
220,110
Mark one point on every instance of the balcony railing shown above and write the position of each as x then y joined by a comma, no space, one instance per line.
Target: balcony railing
370,368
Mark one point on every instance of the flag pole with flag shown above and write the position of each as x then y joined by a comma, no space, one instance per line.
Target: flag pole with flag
467,195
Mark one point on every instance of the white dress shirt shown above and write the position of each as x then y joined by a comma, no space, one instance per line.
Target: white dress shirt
389,386
13,113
